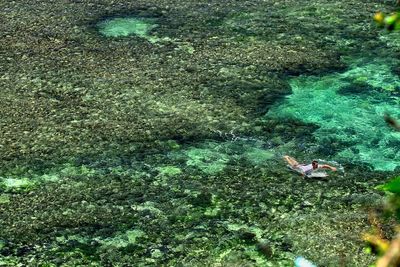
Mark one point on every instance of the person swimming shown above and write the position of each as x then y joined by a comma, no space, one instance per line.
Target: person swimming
306,169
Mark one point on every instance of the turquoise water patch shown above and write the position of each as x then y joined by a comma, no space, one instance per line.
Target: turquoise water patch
352,125
123,27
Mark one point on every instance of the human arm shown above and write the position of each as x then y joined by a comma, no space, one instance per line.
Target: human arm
326,166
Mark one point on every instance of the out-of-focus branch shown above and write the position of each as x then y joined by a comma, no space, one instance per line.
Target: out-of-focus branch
392,256
381,245
392,122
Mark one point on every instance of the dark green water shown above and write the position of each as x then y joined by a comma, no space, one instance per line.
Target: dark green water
151,133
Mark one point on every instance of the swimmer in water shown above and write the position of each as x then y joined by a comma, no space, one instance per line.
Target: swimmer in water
306,169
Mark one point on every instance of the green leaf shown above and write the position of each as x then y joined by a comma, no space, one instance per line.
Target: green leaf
392,186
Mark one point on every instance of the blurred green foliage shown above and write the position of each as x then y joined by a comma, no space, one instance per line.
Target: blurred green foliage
390,22
392,186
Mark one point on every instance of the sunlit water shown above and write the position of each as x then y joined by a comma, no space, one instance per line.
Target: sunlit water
351,124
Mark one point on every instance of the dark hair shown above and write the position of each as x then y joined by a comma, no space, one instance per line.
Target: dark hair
315,161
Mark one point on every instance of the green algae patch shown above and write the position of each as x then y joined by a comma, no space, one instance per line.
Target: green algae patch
72,170
351,126
24,179
9,261
169,170
258,156
172,144
377,75
18,184
392,39
52,174
252,229
4,198
148,206
165,173
123,240
215,209
212,157
207,160
128,26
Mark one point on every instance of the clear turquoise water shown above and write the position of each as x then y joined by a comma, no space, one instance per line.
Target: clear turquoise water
351,125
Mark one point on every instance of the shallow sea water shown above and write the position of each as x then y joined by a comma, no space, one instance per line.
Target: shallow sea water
151,133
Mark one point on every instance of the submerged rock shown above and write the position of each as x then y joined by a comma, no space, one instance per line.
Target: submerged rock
265,249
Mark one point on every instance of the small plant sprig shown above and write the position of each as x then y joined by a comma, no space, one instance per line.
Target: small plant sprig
388,251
